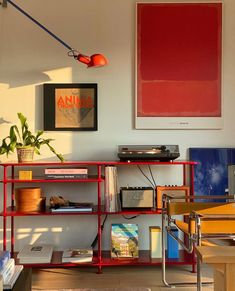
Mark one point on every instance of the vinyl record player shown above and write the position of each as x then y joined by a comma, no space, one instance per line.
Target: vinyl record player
148,152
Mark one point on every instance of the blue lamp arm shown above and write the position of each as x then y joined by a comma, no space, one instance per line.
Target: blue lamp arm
40,25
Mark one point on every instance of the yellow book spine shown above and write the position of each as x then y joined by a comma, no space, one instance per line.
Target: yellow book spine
155,241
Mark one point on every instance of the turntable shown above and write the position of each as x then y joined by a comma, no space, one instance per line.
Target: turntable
148,152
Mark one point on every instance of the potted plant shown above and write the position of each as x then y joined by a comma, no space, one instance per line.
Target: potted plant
25,142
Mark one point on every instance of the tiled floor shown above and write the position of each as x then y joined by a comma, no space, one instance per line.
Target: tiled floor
132,276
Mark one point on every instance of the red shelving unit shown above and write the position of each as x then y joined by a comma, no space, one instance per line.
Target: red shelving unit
101,257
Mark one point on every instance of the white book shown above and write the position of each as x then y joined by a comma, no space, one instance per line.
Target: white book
77,255
11,280
8,270
36,253
111,189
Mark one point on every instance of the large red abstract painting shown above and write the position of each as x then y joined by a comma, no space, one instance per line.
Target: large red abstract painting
178,65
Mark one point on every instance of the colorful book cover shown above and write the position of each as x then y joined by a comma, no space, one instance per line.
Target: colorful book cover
124,240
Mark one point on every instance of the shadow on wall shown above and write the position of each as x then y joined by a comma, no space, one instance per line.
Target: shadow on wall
2,120
18,79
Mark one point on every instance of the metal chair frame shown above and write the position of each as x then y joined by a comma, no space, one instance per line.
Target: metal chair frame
198,213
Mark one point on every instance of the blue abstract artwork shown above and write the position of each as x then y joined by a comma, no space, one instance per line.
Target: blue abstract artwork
211,173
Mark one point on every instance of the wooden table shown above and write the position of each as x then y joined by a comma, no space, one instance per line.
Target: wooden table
222,259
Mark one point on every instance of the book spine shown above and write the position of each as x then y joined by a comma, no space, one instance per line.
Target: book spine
172,245
155,242
71,210
11,280
66,176
66,171
8,271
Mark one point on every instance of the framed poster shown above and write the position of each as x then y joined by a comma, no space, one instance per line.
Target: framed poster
70,106
211,172
178,66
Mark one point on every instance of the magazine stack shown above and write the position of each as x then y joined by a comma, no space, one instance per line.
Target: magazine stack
35,254
77,255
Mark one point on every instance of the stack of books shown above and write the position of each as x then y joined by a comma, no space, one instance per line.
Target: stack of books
77,255
66,173
35,254
8,270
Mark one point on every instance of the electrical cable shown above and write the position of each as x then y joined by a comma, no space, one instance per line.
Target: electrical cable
146,176
151,173
130,217
96,238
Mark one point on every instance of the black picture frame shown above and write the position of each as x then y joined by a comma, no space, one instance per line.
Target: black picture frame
70,107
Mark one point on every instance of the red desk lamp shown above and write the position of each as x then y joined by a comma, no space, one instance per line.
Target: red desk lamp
96,60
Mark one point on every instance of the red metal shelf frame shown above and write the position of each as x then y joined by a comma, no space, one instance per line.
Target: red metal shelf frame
101,258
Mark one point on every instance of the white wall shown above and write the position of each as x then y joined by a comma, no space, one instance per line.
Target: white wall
29,57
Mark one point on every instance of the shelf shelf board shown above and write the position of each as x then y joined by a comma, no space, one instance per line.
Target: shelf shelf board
11,211
144,259
56,261
43,180
98,163
134,212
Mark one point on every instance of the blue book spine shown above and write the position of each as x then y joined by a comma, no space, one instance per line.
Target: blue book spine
172,245
4,257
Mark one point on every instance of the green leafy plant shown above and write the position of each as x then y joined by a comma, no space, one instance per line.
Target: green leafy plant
23,137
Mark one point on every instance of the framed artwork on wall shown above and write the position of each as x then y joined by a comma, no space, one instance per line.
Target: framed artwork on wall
70,107
211,173
178,66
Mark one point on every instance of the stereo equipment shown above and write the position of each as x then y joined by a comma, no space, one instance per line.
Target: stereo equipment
174,191
137,197
148,152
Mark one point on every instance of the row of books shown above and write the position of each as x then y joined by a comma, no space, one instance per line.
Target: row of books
42,254
8,270
124,244
66,173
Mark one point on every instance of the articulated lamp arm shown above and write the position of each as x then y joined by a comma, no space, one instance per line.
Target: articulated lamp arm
96,60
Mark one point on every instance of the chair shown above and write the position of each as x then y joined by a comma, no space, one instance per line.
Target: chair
219,223
203,221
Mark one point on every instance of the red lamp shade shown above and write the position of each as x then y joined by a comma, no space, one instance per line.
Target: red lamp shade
96,60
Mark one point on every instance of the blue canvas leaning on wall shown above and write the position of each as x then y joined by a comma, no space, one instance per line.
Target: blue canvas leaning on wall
211,173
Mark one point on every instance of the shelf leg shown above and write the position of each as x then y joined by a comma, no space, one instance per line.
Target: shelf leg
100,270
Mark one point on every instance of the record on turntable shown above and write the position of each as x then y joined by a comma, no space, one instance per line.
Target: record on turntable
148,152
